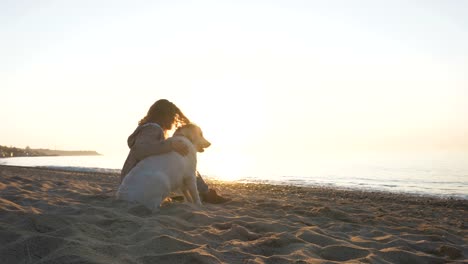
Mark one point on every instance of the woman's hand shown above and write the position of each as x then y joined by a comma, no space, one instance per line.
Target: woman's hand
179,147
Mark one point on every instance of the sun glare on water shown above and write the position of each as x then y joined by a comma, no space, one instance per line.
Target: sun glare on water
224,166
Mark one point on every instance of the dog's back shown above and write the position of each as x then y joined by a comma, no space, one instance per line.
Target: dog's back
153,178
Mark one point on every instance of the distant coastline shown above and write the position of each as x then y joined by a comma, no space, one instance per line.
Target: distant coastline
7,152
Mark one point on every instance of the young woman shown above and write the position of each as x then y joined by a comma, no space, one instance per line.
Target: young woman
148,139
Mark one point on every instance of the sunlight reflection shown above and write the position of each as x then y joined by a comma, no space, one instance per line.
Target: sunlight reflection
224,166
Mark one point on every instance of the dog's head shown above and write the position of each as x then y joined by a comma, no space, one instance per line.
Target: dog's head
195,135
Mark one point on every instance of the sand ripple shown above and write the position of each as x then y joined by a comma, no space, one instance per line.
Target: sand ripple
50,216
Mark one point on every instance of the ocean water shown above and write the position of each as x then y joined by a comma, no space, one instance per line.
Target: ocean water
431,174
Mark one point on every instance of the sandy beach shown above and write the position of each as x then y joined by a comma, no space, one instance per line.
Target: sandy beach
53,216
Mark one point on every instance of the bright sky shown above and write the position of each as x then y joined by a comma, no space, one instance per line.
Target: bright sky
275,79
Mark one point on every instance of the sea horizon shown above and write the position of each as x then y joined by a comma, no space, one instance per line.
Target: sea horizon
442,175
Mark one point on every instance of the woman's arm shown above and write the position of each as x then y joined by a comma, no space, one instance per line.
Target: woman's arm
150,141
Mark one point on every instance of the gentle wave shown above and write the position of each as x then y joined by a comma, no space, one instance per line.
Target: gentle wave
417,180
82,169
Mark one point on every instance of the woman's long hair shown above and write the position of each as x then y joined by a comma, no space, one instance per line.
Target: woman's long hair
166,114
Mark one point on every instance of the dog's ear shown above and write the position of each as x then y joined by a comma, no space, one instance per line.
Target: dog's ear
192,133
189,132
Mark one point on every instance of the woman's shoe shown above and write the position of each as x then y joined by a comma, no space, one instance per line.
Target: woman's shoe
212,197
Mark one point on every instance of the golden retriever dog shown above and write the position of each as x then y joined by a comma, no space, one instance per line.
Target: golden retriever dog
155,177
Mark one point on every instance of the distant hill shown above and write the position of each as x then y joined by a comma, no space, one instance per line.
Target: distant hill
29,152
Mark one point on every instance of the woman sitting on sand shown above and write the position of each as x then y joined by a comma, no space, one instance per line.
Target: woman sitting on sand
148,139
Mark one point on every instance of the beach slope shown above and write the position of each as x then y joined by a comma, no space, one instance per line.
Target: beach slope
53,216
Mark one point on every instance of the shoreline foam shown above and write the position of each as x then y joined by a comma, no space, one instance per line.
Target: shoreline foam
59,216
446,178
